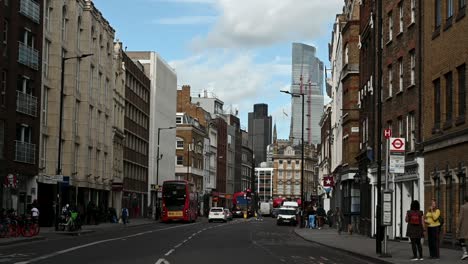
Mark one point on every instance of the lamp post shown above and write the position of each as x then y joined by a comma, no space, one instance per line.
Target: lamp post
157,169
59,153
302,153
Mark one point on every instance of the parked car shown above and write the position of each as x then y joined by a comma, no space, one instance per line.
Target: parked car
228,214
217,214
286,215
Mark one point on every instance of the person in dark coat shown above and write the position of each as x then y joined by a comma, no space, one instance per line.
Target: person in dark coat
462,228
415,229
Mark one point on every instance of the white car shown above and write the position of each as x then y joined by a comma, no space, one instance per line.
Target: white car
286,215
217,214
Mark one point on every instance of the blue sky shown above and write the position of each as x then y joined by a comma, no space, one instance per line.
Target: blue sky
238,50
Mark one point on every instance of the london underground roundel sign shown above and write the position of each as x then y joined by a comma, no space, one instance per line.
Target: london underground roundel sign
397,144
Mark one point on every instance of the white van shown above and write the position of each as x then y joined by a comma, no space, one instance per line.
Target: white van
265,208
286,215
290,204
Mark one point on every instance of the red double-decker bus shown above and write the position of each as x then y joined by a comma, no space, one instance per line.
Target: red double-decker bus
179,202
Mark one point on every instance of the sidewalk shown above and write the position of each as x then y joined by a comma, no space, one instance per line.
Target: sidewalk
47,232
363,246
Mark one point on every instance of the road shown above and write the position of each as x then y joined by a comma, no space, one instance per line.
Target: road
238,241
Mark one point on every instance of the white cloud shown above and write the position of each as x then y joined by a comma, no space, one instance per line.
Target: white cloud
187,1
247,23
234,78
185,20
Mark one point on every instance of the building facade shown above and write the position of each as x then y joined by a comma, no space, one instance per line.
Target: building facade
264,184
307,79
20,99
163,98
260,129
247,162
445,124
79,41
137,133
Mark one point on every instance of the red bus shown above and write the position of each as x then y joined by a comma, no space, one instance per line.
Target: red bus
179,202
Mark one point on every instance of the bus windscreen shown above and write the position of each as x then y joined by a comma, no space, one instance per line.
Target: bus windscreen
174,195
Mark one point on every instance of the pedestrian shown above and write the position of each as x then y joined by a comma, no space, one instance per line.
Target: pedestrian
330,218
312,216
433,230
35,213
339,219
321,216
462,229
124,215
415,229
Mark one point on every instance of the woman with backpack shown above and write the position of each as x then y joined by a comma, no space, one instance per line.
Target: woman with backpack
415,229
433,229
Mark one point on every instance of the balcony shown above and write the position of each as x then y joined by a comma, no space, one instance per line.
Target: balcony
28,56
26,104
25,152
30,9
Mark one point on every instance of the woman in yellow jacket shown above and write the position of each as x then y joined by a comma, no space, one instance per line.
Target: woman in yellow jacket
433,229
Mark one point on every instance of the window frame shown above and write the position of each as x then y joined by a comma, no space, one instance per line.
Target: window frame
437,14
448,96
390,26
390,80
437,103
413,11
401,72
461,76
401,13
413,67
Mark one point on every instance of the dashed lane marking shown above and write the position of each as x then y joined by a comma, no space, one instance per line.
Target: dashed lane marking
169,252
60,252
324,258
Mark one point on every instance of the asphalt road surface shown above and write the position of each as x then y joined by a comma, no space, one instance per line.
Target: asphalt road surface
238,241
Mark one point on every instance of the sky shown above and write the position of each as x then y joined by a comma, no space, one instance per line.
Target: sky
236,50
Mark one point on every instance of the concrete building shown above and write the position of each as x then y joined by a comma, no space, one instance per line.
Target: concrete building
445,126
163,99
264,183
401,103
21,22
73,29
118,127
260,129
137,133
307,79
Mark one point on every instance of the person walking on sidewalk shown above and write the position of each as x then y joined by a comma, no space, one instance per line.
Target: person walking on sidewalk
433,230
415,230
339,219
462,229
124,215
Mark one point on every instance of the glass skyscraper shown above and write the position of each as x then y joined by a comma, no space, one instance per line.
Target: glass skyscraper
307,65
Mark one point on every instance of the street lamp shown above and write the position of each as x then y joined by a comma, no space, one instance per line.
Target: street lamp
302,153
59,158
157,168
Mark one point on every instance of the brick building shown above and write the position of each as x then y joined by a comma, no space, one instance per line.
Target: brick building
21,22
445,119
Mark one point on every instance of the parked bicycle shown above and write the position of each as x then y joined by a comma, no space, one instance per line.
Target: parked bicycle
12,225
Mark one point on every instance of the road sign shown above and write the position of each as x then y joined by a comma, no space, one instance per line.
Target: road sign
387,133
397,144
397,163
387,208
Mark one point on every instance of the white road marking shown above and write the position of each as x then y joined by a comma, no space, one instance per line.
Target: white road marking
169,252
162,261
324,258
60,252
311,257
178,245
185,241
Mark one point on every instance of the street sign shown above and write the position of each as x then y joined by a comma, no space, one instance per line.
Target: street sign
397,163
387,133
397,144
387,208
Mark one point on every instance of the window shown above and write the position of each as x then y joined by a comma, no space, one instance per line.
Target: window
413,67
438,14
104,167
400,11
448,97
43,152
3,88
90,124
2,138
76,118
91,79
45,59
400,127
390,27
106,89
45,95
449,9
90,162
390,81
77,76
410,124
462,4
400,82
99,88
75,158
436,84
23,133
180,143
78,32
413,11
346,54
64,23
5,32
462,90
180,160
48,12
